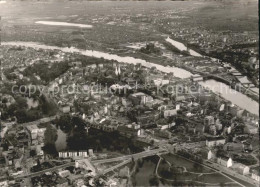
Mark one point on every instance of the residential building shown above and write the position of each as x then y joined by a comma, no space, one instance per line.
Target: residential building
241,168
211,142
162,133
64,173
169,113
206,154
140,98
225,161
255,174
208,120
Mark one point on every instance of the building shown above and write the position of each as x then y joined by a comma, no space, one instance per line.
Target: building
73,154
162,133
205,154
209,120
64,173
227,130
147,117
140,98
65,109
241,168
35,132
212,130
250,129
169,113
4,183
211,142
255,174
238,147
124,172
225,161
197,78
62,182
200,129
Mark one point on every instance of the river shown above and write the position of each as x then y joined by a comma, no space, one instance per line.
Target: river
226,92
182,47
231,95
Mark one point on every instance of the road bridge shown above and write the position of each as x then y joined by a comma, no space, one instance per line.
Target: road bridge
122,158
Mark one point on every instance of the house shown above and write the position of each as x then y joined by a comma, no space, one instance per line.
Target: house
234,147
200,129
227,130
62,182
255,174
168,113
124,172
162,133
90,152
211,142
35,131
4,183
17,163
83,154
147,116
79,183
208,120
212,130
39,150
140,98
64,173
241,168
225,161
250,129
65,109
205,154
197,78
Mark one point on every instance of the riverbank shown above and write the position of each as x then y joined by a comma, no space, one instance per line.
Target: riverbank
178,46
178,72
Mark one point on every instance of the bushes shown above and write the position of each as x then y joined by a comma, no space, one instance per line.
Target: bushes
245,159
47,71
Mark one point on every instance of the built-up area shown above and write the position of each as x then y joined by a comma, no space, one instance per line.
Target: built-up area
165,114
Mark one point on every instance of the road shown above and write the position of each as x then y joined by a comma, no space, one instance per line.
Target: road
134,156
115,167
44,171
221,169
122,158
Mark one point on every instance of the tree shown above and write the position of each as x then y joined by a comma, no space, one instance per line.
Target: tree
50,135
154,181
65,123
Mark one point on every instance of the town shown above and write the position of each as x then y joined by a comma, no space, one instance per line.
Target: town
155,111
170,104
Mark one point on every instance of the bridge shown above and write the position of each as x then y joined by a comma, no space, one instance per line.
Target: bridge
39,121
122,158
114,167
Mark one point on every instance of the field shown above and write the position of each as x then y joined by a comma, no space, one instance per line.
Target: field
116,23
